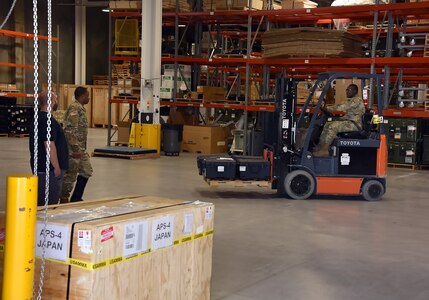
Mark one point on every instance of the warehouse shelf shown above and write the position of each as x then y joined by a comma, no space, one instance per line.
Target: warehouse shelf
13,65
17,34
23,95
406,68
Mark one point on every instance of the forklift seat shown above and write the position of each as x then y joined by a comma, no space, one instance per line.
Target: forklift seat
364,132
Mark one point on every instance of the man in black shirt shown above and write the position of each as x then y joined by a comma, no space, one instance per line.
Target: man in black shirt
58,152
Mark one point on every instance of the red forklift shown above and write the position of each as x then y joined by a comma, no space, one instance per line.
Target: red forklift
357,161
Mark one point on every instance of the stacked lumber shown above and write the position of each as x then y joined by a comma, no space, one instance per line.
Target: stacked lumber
310,42
167,5
210,5
170,5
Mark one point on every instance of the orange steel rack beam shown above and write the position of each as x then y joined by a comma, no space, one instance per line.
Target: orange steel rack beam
24,35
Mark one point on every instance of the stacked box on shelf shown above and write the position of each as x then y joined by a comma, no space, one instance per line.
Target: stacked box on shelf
167,5
211,93
20,118
296,4
167,83
238,4
404,138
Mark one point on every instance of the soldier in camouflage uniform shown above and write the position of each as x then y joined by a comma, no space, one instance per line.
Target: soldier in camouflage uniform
76,132
351,121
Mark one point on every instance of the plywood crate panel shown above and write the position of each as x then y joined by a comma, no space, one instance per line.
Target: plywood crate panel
100,105
173,260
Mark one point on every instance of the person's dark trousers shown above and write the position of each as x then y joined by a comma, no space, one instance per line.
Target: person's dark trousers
55,185
79,189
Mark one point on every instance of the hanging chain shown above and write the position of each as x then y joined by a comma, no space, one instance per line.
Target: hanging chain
48,151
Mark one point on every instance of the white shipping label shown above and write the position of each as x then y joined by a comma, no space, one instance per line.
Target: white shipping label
345,159
84,241
162,232
57,241
409,152
188,221
412,128
209,212
285,124
136,235
408,160
242,168
221,143
220,168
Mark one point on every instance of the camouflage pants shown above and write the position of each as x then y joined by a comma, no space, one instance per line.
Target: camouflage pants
77,166
331,129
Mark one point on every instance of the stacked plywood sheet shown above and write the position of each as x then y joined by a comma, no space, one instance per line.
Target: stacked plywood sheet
127,248
310,42
170,5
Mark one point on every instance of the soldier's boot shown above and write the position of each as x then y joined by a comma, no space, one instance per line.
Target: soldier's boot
79,189
321,151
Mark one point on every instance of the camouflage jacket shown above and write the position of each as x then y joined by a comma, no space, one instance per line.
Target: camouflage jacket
353,109
76,127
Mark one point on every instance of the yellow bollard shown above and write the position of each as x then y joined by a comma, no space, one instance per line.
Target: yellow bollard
19,252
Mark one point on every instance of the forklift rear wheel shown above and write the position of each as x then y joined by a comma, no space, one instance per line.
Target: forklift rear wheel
372,190
299,184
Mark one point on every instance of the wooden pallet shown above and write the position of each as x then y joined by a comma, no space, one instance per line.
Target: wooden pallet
126,156
266,103
4,135
187,100
18,135
237,183
403,166
230,102
125,144
99,125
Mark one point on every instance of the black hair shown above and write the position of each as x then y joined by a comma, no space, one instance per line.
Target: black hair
79,91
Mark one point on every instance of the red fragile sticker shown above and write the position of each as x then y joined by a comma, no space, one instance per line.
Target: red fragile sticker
107,234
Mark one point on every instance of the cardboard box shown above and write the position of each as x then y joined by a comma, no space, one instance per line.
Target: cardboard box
205,139
211,93
166,93
238,4
183,116
341,86
124,131
186,69
127,248
296,4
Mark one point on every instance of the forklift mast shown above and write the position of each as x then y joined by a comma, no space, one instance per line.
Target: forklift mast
285,130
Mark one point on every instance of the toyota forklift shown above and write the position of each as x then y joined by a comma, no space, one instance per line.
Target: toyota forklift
357,160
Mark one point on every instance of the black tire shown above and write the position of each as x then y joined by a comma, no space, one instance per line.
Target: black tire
372,190
299,184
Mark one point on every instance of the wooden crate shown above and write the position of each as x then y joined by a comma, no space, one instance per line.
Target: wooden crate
124,249
100,109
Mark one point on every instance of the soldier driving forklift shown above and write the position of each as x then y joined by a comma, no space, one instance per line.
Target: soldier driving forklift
310,155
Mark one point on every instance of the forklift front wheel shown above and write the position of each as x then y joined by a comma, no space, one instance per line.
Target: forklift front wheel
299,184
372,190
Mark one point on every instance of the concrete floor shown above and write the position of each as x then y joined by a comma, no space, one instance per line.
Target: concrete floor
274,249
